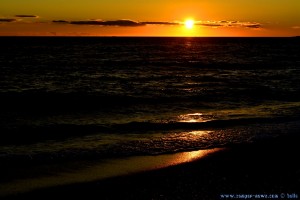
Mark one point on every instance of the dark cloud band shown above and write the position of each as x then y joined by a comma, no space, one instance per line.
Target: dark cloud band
7,20
223,23
27,16
114,23
161,23
103,23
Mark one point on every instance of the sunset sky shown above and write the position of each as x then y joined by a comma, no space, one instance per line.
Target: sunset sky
150,18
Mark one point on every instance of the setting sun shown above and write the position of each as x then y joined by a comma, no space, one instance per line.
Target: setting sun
189,23
159,18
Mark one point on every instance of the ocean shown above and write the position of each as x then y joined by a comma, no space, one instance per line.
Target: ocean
91,98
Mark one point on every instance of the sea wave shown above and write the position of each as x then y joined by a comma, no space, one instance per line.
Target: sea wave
99,146
24,134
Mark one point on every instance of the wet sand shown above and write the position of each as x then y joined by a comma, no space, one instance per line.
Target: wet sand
265,168
20,178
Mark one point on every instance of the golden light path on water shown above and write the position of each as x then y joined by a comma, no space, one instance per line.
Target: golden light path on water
191,117
93,171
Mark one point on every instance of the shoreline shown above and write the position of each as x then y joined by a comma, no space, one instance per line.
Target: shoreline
270,167
55,175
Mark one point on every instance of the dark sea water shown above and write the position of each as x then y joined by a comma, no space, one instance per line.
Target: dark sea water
72,98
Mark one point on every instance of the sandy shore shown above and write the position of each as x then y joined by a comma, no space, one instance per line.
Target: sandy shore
265,168
18,178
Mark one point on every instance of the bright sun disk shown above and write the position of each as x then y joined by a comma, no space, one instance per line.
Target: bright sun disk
189,23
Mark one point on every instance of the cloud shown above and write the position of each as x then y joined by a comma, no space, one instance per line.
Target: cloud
27,16
132,23
121,22
61,21
161,23
18,18
209,23
7,20
252,25
225,23
296,27
222,23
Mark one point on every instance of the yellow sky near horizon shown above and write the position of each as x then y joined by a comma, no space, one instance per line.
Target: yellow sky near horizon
212,17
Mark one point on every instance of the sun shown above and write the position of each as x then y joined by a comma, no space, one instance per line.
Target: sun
189,23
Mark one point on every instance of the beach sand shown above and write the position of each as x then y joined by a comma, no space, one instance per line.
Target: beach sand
268,167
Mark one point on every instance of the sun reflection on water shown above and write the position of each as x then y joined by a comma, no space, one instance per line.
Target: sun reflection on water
191,117
199,133
185,157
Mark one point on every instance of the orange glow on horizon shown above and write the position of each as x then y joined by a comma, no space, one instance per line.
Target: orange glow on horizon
231,18
14,29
